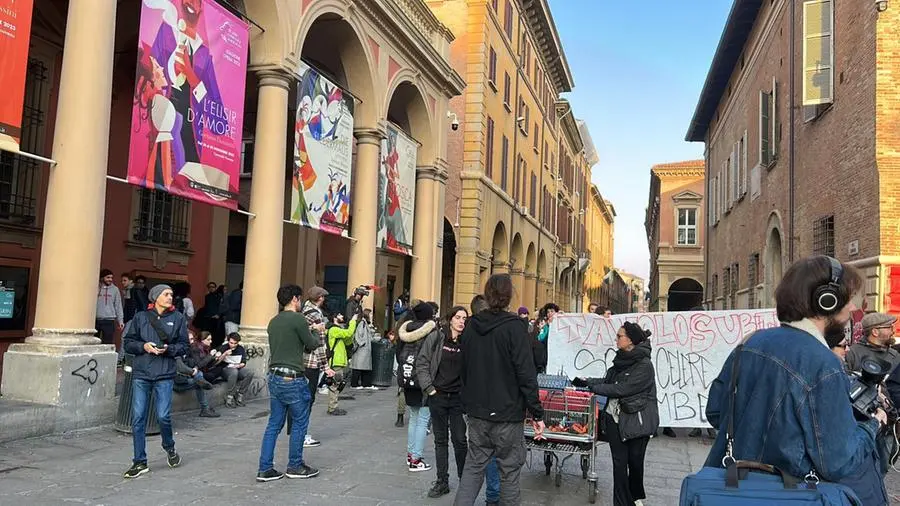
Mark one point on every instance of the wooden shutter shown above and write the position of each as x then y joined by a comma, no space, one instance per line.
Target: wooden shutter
744,164
776,127
764,128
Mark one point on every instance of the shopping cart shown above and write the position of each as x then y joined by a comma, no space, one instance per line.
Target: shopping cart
570,419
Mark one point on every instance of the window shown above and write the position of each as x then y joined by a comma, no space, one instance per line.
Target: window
726,287
768,126
489,150
507,86
742,170
752,279
735,285
247,157
504,163
726,185
714,292
532,202
534,144
162,219
508,19
492,68
818,52
687,226
823,236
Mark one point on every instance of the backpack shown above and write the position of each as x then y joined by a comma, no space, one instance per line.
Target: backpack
406,368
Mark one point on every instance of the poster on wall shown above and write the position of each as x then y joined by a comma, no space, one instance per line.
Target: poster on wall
688,351
15,33
397,192
188,113
323,154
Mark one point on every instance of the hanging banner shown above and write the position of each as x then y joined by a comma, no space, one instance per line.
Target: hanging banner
323,154
15,33
397,192
689,350
188,113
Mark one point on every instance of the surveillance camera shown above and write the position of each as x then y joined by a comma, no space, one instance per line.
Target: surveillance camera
454,124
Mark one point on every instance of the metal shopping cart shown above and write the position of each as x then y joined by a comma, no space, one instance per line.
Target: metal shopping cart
570,417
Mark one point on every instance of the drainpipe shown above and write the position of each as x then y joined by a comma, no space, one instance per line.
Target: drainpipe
792,67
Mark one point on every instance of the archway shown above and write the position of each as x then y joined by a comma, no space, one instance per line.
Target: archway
685,294
543,292
448,265
774,266
529,299
406,109
516,265
500,250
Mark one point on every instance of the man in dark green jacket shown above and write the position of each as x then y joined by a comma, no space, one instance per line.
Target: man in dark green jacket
289,338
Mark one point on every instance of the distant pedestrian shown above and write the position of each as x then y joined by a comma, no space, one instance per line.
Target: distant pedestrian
156,337
289,338
110,313
235,302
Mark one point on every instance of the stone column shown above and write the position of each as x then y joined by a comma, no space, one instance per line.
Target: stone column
62,363
470,268
531,301
519,297
429,189
262,268
364,205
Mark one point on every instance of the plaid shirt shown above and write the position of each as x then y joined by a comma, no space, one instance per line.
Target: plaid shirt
318,358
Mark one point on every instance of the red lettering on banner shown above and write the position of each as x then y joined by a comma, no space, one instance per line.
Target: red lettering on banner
702,336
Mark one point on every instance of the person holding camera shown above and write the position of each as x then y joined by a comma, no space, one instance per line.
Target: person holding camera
792,406
339,338
155,338
878,336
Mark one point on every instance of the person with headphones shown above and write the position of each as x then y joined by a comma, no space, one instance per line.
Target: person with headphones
791,396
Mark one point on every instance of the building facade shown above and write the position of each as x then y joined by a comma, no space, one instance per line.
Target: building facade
60,225
517,163
799,119
637,301
601,218
676,236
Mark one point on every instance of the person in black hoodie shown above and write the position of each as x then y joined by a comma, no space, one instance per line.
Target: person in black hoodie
631,415
156,337
499,385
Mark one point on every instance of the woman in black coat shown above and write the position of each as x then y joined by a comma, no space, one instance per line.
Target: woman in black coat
631,415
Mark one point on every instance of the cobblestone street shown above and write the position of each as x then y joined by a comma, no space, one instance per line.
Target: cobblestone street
361,460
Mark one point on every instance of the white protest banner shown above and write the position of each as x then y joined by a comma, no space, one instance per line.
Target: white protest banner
689,349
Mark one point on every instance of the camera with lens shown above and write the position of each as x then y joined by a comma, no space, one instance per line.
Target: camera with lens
328,381
362,291
864,385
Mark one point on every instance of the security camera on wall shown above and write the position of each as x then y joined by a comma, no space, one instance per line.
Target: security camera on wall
454,121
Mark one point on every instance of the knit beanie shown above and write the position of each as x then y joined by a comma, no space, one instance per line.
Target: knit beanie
423,311
636,333
156,291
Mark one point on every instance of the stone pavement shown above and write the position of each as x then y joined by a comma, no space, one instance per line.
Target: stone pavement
361,459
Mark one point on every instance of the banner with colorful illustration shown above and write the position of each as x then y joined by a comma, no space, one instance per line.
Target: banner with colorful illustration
397,192
688,351
323,154
188,113
15,33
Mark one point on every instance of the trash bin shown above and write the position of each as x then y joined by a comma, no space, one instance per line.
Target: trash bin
382,363
123,413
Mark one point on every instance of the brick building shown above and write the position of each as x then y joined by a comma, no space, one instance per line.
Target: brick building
800,114
519,174
675,235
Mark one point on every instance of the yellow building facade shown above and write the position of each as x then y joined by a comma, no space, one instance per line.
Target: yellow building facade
509,158
601,216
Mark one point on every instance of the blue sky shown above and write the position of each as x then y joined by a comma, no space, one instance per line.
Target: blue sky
638,69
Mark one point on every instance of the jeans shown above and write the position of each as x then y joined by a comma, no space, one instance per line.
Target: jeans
286,395
500,440
417,431
106,331
492,481
184,384
628,465
447,416
140,407
238,380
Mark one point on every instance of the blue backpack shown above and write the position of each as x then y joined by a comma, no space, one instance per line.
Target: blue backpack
746,483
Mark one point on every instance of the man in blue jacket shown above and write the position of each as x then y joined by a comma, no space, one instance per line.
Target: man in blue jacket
792,407
155,338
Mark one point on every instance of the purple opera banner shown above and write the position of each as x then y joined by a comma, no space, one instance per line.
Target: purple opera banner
188,113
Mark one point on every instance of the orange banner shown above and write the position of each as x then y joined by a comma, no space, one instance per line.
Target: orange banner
15,28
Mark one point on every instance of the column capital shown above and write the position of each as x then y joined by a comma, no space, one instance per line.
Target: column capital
516,272
530,275
276,77
365,135
433,172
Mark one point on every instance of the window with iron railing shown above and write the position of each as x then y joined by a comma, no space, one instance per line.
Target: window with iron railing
823,236
162,219
752,279
19,176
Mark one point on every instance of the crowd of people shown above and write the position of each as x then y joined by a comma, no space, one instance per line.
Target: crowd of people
800,373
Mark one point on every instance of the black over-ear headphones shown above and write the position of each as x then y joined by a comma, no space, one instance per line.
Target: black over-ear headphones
829,298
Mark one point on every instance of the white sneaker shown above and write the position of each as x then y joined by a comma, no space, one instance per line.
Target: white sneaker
417,466
373,387
309,442
323,391
359,388
638,503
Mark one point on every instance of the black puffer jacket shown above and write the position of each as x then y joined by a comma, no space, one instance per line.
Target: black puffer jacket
631,380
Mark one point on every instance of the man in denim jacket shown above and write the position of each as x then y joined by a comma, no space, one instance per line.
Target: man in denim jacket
793,402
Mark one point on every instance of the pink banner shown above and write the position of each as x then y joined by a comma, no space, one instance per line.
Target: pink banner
187,119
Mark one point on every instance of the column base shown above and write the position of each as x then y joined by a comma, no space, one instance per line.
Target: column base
256,341
61,367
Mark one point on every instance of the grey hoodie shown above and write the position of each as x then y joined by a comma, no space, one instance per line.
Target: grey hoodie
109,304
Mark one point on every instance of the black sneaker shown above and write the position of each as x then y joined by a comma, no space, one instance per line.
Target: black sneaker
440,488
270,475
136,470
304,472
209,413
337,412
173,458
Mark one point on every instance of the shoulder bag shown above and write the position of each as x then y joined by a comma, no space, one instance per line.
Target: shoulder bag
748,483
